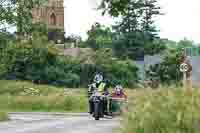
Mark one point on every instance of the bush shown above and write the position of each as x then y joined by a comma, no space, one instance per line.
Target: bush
39,61
164,111
119,72
168,71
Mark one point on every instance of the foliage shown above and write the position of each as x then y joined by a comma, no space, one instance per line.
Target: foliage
136,27
163,111
185,43
19,13
5,37
169,43
168,71
39,29
119,72
73,39
99,36
38,61
114,7
132,46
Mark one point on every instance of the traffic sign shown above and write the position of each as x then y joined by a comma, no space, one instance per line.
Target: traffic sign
184,67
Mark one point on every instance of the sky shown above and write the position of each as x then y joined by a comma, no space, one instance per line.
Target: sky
181,19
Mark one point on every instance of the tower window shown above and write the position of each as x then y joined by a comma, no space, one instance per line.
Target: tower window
53,19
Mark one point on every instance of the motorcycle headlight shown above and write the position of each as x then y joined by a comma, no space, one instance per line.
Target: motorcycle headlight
97,94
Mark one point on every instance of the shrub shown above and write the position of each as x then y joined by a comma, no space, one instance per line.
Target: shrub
168,71
119,72
39,61
164,111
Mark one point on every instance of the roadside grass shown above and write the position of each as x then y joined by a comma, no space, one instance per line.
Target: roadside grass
3,116
165,110
18,96
51,103
18,87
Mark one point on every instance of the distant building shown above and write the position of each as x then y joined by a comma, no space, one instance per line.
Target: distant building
52,14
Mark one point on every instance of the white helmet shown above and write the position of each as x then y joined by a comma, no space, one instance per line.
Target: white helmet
118,89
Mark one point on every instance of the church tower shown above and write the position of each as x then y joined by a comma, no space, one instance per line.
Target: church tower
52,14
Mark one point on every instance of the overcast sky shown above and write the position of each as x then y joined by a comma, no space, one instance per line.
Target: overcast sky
181,19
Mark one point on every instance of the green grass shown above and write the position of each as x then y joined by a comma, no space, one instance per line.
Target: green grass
3,116
163,111
18,96
18,87
51,103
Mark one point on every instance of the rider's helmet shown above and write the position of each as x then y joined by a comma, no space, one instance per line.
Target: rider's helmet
118,89
98,77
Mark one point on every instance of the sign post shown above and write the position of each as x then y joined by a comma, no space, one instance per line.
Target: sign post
184,69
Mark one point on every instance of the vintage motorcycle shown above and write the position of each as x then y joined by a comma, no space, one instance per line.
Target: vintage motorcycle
97,99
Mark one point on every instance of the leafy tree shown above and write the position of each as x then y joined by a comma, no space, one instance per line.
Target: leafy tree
136,28
73,39
185,43
18,13
5,37
99,36
168,71
117,71
114,7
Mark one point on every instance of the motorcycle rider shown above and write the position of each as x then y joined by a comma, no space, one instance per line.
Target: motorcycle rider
118,92
96,82
98,79
103,89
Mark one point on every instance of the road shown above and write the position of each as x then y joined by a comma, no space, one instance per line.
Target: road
40,123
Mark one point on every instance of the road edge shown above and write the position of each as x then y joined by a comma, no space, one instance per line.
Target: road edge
49,114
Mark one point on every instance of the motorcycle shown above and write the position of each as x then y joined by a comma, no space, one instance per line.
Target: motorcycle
97,99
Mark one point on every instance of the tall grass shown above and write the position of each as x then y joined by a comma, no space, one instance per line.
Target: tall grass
163,111
16,87
49,103
25,96
3,116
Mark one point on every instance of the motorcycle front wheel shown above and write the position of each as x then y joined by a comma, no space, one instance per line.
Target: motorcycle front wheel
96,111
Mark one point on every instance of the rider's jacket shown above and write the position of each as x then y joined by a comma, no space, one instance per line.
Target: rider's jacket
101,87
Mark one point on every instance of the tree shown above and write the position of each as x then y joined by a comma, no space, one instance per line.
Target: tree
185,43
99,36
136,27
73,39
18,13
168,71
114,7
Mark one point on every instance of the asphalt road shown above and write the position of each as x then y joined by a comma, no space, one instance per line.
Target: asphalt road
42,123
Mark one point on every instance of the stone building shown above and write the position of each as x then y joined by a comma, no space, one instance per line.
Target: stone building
52,14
